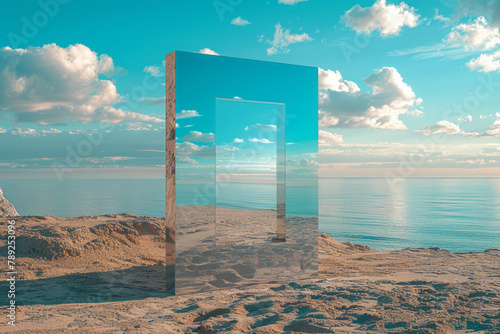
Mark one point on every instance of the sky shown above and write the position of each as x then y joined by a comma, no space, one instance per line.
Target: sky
247,140
243,118
405,88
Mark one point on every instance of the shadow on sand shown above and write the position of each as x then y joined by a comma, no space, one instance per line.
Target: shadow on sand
134,283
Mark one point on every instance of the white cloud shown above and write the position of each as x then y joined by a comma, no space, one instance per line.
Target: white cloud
189,149
24,132
266,127
153,70
302,162
290,2
185,159
327,138
108,159
441,127
3,130
389,19
464,40
332,80
240,22
475,36
138,126
486,62
441,18
326,121
187,114
228,151
261,141
50,84
51,130
379,109
75,132
199,137
238,141
32,132
207,51
445,127
462,119
111,114
494,130
283,38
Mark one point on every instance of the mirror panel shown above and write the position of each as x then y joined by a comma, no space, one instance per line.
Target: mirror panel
244,211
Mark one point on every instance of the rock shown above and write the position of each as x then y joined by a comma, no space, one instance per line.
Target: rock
359,247
6,208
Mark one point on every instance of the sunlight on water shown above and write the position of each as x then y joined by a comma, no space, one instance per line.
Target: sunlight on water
453,214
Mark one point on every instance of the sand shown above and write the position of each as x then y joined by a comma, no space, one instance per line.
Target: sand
104,274
238,250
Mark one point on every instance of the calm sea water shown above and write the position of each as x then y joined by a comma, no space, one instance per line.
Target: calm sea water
250,196
453,214
72,197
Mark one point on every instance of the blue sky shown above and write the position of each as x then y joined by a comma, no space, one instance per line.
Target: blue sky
247,140
406,88
238,109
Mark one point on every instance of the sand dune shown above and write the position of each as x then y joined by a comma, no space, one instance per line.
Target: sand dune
104,274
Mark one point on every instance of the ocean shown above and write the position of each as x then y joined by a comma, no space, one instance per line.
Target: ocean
456,214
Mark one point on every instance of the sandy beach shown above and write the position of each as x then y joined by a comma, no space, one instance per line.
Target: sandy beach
105,274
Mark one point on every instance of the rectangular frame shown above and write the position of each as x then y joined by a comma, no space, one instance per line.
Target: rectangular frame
193,83
279,226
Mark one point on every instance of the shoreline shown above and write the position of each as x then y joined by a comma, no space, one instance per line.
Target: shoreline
156,218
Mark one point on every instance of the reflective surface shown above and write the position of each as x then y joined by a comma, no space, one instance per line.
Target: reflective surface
224,141
250,149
